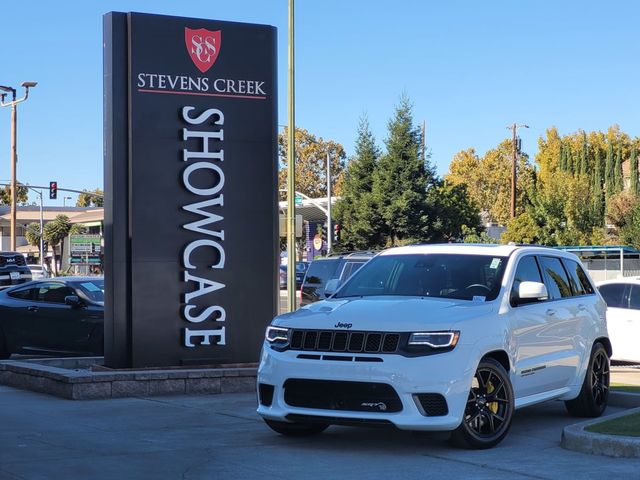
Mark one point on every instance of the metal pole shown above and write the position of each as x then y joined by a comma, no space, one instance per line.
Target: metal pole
41,235
329,226
291,178
14,161
513,175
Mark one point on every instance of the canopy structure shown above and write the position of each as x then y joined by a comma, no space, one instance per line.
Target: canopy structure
607,261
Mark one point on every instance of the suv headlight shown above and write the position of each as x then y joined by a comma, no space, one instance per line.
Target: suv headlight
434,339
277,335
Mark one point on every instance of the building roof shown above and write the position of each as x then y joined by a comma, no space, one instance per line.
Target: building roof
31,213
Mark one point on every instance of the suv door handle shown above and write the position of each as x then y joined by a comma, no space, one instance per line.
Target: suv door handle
551,311
32,308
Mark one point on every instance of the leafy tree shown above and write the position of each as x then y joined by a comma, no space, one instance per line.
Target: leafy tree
311,163
22,195
633,172
610,176
488,180
630,234
356,210
85,200
55,232
584,155
620,207
455,214
401,181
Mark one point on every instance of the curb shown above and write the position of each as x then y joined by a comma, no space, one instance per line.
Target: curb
576,438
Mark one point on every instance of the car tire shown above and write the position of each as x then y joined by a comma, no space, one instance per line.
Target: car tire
594,394
4,353
489,408
291,429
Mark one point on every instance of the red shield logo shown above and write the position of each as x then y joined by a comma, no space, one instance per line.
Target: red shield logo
203,46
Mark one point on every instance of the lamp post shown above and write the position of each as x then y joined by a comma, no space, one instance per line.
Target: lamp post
64,201
14,153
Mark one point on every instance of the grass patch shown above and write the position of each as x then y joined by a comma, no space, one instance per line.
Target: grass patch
628,426
621,387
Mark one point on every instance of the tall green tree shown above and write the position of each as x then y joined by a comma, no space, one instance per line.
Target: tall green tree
54,234
356,210
22,195
32,234
401,181
584,155
633,171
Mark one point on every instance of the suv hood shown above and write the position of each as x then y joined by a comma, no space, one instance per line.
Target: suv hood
384,313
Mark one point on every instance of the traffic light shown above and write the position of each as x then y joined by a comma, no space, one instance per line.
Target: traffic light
336,232
53,190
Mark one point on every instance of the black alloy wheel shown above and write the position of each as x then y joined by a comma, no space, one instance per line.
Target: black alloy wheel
489,408
594,395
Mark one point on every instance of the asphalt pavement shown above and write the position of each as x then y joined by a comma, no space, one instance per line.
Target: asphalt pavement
220,437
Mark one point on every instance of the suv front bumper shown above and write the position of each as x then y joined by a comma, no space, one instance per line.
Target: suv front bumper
449,374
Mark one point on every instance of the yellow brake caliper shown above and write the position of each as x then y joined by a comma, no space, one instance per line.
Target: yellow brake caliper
493,406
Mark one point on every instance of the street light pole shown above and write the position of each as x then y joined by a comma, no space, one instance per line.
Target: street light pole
14,147
291,179
514,180
329,227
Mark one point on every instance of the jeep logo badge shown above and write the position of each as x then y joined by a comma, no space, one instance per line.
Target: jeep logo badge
343,325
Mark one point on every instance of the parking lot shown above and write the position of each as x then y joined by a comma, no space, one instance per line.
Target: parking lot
206,437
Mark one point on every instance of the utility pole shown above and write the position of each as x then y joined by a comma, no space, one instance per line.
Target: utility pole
514,160
14,146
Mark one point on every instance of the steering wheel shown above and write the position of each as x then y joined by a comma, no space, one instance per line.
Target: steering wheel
478,285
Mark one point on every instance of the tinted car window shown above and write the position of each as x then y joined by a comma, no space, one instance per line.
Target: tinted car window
465,277
634,297
349,269
614,295
557,280
53,293
527,271
91,289
576,284
320,272
22,294
584,280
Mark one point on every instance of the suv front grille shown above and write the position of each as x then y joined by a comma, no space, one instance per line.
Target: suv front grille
341,341
341,395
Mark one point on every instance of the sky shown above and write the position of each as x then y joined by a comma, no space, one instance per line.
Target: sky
470,69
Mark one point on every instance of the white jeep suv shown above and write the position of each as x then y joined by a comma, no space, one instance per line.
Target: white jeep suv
440,337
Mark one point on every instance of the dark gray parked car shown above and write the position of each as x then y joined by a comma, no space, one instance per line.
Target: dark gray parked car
59,316
13,269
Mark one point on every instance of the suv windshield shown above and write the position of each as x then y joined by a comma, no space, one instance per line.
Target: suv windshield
465,277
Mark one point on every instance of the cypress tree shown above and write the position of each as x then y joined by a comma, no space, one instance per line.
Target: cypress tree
561,162
633,171
584,156
598,191
609,175
568,159
618,178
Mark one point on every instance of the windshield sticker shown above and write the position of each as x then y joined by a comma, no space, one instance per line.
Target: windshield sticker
495,263
92,287
479,298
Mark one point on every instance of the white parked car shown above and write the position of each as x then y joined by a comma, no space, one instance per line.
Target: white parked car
623,316
440,337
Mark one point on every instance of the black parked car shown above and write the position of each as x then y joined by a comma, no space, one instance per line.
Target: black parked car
13,269
340,266
60,316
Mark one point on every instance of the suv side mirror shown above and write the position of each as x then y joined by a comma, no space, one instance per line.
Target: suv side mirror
72,300
331,287
532,291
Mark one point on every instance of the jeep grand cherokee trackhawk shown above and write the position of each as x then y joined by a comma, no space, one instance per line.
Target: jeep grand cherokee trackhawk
440,337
